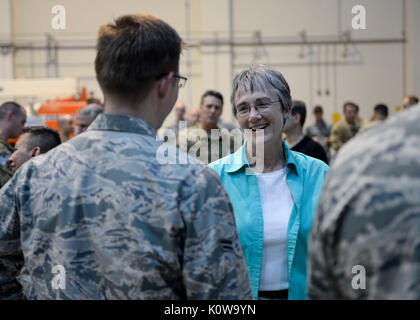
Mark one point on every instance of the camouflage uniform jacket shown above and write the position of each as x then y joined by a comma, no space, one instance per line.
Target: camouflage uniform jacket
121,225
342,132
63,137
5,151
208,147
365,240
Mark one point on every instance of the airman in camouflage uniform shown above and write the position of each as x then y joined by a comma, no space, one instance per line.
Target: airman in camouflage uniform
207,146
365,238
103,209
207,141
5,151
12,120
347,128
122,225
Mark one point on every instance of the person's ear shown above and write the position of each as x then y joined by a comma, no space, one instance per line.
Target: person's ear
35,152
164,83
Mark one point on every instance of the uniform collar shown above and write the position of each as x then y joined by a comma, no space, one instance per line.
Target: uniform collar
112,122
240,160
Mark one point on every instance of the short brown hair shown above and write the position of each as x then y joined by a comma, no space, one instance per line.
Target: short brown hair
350,104
318,109
299,107
211,93
133,52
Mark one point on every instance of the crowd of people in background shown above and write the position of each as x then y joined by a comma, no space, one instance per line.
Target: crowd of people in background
320,140
92,197
36,140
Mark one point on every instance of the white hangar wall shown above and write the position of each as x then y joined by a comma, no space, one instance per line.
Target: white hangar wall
225,36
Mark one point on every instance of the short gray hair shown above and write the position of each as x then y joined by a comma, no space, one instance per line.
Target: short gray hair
261,77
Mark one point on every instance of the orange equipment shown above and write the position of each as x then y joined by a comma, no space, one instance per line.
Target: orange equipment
52,109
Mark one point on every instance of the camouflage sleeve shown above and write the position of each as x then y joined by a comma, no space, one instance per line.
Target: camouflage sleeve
11,257
319,279
335,138
213,266
5,172
5,175
374,229
4,156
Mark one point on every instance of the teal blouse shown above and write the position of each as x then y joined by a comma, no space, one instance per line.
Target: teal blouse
305,177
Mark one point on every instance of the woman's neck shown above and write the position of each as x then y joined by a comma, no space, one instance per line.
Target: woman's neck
273,159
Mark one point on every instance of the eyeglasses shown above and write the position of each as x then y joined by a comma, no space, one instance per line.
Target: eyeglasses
243,110
182,80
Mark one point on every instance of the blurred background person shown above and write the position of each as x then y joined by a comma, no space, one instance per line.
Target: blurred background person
365,239
33,142
179,110
65,127
192,117
295,138
92,99
380,114
226,125
347,128
199,140
273,204
85,117
167,133
12,121
320,131
409,101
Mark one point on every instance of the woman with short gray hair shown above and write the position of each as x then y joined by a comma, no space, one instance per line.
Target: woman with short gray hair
274,193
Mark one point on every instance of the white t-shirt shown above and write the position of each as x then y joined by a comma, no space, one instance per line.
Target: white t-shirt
277,204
